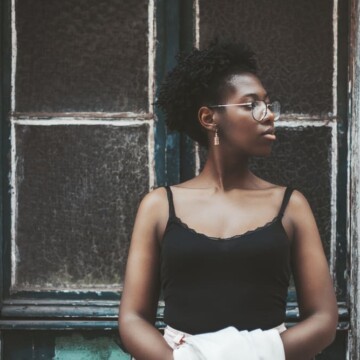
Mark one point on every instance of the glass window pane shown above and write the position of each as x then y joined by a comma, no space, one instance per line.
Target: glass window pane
82,55
293,40
78,188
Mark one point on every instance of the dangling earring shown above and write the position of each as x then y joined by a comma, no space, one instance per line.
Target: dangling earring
216,138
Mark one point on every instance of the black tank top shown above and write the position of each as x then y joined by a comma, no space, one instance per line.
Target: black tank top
210,284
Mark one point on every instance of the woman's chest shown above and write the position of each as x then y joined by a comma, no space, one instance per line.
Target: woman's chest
263,253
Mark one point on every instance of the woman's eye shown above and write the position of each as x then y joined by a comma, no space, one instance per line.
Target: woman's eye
250,106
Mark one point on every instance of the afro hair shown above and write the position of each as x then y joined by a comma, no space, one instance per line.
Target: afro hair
200,79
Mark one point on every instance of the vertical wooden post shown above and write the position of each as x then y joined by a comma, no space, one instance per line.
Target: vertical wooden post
354,182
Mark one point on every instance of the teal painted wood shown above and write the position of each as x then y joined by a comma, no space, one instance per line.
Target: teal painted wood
174,153
167,145
65,324
69,325
187,158
101,315
35,345
187,41
61,294
78,347
28,309
60,345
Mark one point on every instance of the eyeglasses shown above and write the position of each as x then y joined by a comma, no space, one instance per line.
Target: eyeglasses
258,108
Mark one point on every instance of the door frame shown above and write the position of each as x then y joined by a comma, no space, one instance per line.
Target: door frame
353,193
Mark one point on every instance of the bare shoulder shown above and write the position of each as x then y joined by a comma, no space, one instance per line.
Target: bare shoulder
298,210
154,199
298,202
154,203
154,209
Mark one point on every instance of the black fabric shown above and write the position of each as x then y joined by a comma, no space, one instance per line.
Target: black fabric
171,202
210,284
285,201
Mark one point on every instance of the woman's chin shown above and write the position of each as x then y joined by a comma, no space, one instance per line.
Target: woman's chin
263,152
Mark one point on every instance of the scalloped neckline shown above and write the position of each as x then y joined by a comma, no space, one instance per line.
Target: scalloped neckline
220,239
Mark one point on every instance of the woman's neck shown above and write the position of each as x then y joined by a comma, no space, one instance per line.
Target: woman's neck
225,171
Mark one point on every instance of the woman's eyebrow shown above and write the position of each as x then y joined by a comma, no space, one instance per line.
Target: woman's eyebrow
256,96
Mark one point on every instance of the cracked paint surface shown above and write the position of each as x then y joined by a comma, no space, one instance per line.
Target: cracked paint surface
78,347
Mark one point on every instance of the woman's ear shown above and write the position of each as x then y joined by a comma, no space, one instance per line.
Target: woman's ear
207,118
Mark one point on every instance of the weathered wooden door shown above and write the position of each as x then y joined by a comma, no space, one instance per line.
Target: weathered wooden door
82,143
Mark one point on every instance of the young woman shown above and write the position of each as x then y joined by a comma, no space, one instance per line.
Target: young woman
221,246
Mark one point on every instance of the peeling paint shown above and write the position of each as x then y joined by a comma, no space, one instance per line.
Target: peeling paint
78,347
335,55
353,218
13,204
151,155
197,159
197,23
151,90
76,121
13,53
82,115
151,54
333,200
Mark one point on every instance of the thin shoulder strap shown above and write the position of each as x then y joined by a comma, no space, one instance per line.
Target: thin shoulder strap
171,202
287,194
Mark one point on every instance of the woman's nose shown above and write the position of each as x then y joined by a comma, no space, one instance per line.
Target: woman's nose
269,116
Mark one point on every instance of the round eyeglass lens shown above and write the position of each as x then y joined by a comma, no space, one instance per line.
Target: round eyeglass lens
275,109
260,109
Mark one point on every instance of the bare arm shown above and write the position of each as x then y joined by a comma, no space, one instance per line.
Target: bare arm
315,292
139,300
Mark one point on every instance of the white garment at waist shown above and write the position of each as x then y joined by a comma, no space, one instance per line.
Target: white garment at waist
175,337
227,344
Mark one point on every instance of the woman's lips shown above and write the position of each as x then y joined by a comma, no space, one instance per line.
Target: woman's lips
269,136
269,133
